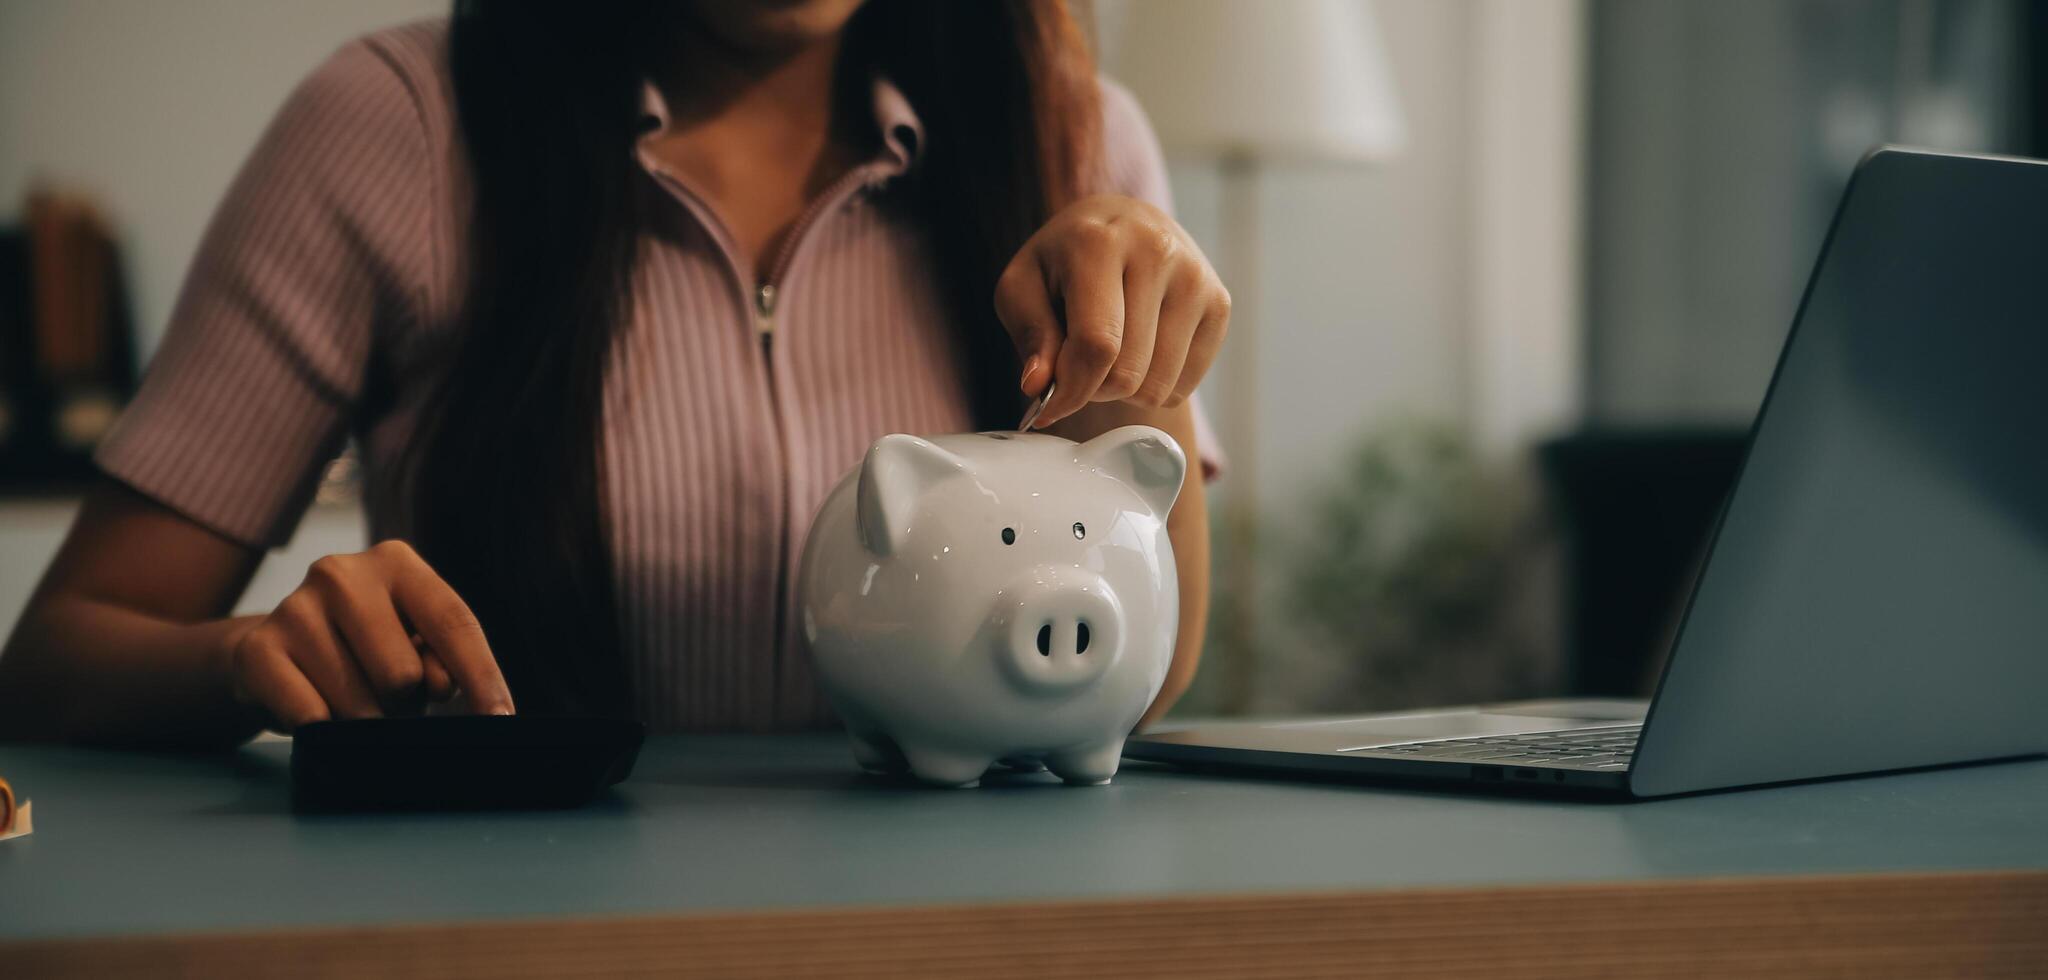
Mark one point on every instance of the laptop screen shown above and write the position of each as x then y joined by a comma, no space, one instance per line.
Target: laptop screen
1876,596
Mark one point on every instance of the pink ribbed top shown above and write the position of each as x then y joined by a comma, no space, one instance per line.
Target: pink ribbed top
321,305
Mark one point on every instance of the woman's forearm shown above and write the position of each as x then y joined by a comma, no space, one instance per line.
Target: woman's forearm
125,640
85,670
1188,526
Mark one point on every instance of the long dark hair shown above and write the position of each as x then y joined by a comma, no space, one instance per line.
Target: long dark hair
507,476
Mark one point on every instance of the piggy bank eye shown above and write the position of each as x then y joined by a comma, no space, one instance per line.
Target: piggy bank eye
1079,531
1009,535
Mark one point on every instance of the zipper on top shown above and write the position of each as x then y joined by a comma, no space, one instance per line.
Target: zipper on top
761,296
764,311
766,291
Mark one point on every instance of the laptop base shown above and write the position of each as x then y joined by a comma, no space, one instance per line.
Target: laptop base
1359,747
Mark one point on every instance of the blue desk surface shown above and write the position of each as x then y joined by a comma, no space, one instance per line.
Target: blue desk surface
130,843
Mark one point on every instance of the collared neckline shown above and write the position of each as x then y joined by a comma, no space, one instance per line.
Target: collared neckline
902,131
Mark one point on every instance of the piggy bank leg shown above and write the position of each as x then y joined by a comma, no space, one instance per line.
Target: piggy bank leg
1087,765
946,768
875,752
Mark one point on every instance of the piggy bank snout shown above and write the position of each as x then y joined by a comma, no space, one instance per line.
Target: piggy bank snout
1059,629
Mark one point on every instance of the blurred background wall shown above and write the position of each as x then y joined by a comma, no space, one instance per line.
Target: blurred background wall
1721,135
1478,359
150,108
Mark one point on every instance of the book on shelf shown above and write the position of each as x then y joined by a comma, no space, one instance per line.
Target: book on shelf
66,341
14,817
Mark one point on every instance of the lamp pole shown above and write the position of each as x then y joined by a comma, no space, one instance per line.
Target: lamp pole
1239,170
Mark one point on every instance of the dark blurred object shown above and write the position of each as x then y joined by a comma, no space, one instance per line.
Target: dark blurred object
1634,507
66,344
460,762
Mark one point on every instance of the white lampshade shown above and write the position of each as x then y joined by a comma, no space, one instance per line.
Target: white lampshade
1300,79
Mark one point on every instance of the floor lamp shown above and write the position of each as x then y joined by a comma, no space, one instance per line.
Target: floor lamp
1248,85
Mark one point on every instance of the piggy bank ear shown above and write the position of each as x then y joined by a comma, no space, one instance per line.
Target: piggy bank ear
897,471
1143,457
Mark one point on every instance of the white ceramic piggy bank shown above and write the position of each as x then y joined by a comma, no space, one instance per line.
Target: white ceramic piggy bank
996,596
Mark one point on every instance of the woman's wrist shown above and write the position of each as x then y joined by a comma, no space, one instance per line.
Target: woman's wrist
221,655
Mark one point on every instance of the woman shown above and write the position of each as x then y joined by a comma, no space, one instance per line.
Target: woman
610,295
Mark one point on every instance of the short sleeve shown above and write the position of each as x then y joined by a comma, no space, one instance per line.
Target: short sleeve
1136,167
319,246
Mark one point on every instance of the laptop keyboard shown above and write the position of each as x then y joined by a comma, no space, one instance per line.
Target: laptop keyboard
1585,748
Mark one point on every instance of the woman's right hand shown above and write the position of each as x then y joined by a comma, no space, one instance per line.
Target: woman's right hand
364,636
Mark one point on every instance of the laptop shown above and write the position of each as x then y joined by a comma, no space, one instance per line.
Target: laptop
1875,592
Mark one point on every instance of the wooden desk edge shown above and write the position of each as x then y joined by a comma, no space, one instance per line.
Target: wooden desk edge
1869,925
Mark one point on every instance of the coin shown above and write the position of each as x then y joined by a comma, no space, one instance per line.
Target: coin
1037,408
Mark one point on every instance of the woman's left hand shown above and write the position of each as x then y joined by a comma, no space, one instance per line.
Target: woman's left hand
1114,300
